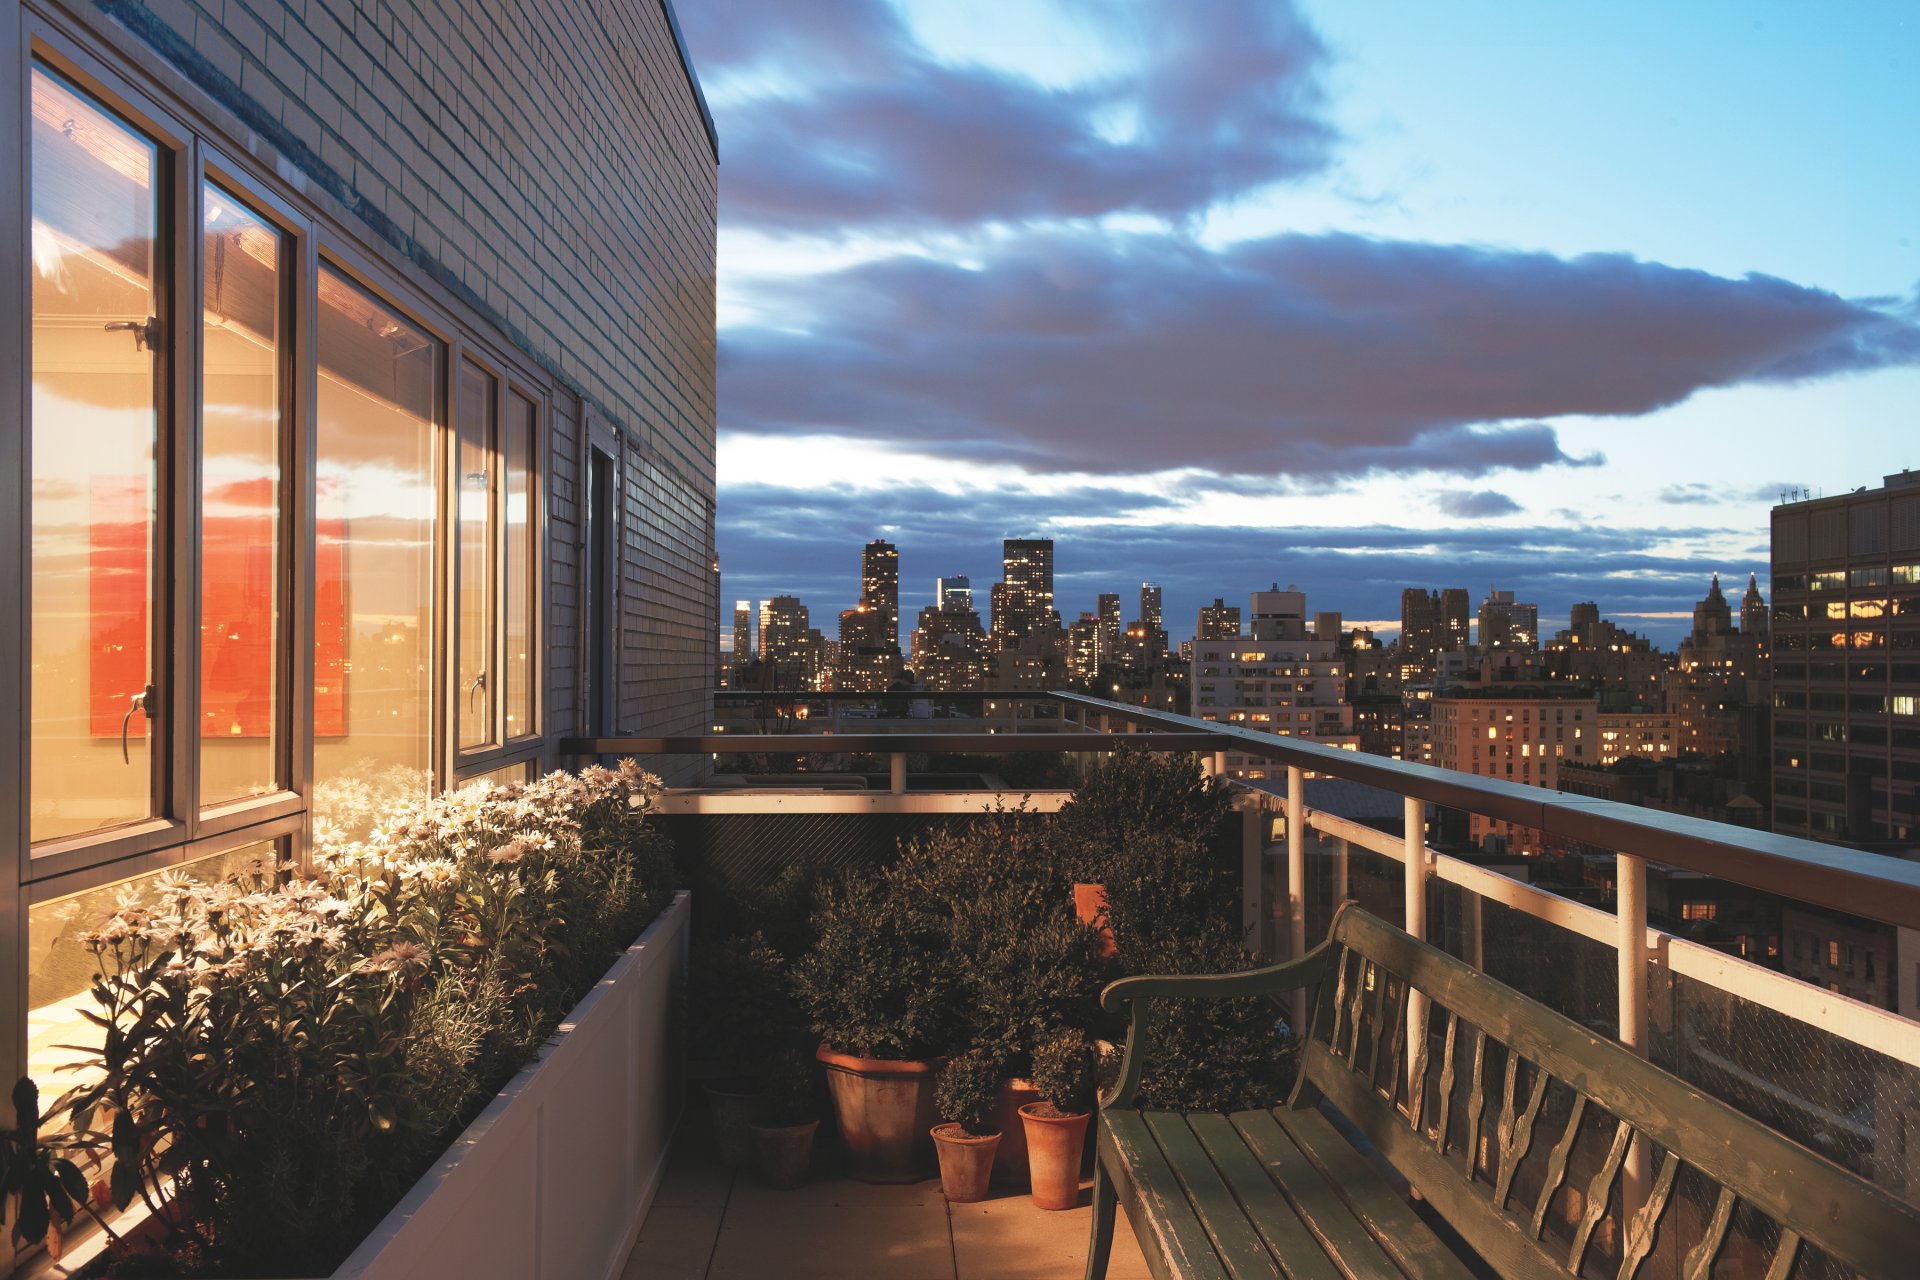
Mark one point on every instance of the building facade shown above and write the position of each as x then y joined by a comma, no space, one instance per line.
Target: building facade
1517,733
1846,665
1278,680
364,442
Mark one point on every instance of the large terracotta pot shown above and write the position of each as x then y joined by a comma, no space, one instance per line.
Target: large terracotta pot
1010,1161
733,1109
1054,1144
786,1152
886,1114
966,1162
1089,900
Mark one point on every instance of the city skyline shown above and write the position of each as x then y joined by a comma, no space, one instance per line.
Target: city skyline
1261,286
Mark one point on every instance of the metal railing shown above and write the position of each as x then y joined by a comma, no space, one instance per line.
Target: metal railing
1648,965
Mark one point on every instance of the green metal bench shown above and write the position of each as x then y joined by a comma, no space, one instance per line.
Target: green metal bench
1546,1149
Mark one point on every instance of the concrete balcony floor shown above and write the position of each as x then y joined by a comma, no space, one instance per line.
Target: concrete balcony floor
711,1224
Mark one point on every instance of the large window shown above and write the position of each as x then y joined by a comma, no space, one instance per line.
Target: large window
94,441
378,407
241,648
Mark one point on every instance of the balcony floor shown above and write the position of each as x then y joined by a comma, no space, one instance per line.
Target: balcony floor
709,1224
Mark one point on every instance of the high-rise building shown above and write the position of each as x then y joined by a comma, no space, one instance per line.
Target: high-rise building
1083,649
880,591
1276,679
788,645
1107,611
1719,687
1023,598
1218,621
742,633
953,593
1431,623
1517,732
1846,665
1150,615
1327,625
1506,623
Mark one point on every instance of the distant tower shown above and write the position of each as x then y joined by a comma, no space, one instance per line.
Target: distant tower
1713,616
1107,613
880,591
953,593
1506,623
1023,599
1753,610
1218,621
742,632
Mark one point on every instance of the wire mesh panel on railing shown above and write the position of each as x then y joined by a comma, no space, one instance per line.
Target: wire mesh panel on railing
1566,971
1858,1107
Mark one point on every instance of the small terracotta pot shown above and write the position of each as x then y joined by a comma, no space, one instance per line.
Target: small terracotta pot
1010,1161
886,1114
1089,902
732,1117
1054,1144
966,1162
786,1152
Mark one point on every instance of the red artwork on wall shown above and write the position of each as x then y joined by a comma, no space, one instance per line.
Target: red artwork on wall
237,590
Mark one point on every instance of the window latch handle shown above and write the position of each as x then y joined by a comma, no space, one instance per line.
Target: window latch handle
146,333
474,686
143,703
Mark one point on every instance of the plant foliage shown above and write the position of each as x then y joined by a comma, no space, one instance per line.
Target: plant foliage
1063,1072
968,1085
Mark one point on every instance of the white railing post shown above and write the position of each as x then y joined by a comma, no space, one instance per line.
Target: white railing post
1297,889
1630,918
1256,906
897,767
1342,852
1414,848
1219,764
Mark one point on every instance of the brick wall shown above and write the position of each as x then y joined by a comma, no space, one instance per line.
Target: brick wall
546,164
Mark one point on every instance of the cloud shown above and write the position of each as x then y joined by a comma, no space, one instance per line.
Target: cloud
1475,506
1693,493
812,549
1305,355
876,132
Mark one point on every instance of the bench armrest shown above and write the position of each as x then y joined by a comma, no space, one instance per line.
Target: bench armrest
1273,979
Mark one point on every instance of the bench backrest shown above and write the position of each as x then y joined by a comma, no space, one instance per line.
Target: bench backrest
1555,1151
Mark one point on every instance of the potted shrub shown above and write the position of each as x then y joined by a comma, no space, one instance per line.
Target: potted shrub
1063,1071
967,1137
879,988
786,1120
740,1006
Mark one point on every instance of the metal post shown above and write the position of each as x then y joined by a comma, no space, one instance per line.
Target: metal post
1219,764
1342,853
1630,915
897,765
1414,851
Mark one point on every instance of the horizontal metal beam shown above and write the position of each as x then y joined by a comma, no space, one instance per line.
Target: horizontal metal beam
1873,885
882,743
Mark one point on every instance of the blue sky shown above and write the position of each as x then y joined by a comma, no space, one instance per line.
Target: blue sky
1355,296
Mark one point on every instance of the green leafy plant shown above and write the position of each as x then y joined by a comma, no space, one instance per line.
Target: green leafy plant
1063,1072
280,1058
47,1185
742,1007
968,1085
1135,793
878,982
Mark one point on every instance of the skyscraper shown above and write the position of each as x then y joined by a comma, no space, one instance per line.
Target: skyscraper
1111,628
1023,599
742,632
953,593
880,591
785,643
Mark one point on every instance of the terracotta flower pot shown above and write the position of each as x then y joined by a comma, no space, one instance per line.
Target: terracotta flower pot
732,1117
1010,1161
886,1114
1054,1144
786,1152
1089,900
966,1162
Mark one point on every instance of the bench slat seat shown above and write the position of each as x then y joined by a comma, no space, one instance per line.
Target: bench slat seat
1258,1195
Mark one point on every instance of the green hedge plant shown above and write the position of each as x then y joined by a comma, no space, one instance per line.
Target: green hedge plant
1063,1072
965,1095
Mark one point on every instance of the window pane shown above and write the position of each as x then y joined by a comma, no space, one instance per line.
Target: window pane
373,559
521,560
478,449
240,503
95,425
59,967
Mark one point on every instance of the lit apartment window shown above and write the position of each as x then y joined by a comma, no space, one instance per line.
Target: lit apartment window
1699,911
1833,955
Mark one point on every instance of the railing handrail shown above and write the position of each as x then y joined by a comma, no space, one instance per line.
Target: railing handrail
1871,885
875,743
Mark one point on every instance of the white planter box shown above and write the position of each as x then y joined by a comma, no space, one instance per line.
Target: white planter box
553,1179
